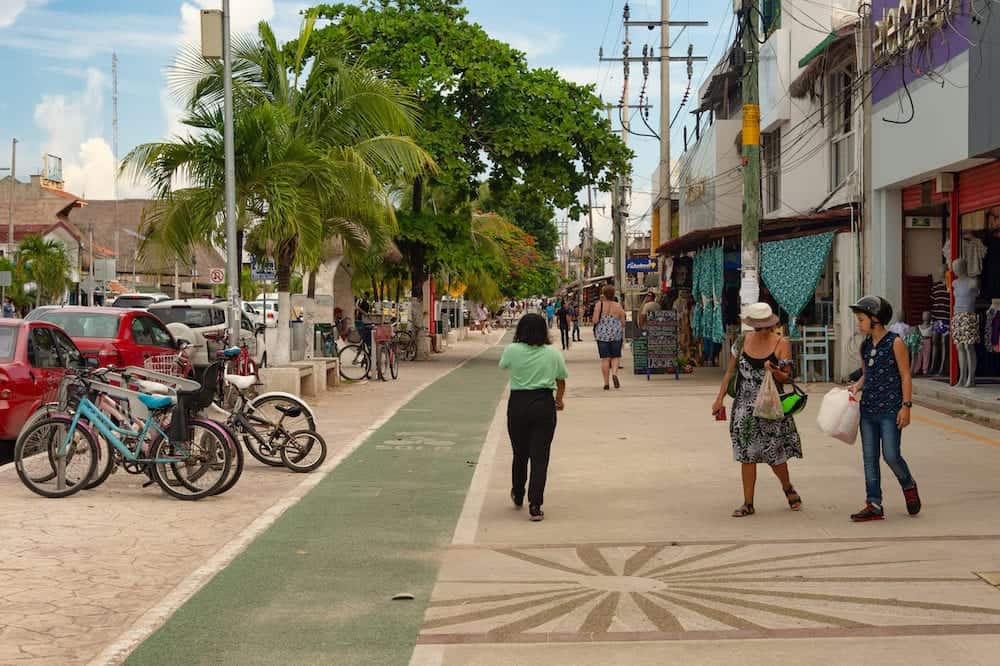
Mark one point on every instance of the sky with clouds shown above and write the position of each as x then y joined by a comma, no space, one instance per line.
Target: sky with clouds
57,79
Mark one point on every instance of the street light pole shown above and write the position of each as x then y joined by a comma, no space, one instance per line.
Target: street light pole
232,257
10,203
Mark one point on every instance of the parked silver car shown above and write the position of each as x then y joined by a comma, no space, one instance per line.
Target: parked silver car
203,323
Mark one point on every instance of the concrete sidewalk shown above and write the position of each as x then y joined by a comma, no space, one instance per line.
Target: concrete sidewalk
102,567
638,561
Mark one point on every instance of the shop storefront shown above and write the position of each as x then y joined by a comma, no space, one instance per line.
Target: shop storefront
807,271
936,193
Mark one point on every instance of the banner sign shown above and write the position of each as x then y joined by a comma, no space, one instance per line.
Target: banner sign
641,265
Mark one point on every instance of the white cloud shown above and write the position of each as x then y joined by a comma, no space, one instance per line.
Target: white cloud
11,9
535,43
76,36
72,131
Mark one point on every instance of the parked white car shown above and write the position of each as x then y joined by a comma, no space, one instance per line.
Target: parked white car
203,323
142,301
267,310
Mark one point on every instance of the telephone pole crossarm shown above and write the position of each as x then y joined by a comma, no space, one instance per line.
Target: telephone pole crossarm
673,24
641,60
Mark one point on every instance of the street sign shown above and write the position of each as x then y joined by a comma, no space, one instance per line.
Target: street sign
262,269
105,270
217,275
5,279
641,265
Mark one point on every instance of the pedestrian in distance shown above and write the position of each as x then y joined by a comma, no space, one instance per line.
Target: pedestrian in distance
648,305
8,308
550,312
575,318
609,330
757,440
536,370
563,314
886,388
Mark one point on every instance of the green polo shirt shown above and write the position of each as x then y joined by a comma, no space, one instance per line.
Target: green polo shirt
533,367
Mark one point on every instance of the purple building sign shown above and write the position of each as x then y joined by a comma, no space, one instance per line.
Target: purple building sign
913,37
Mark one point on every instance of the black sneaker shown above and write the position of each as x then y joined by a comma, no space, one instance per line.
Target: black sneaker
536,513
912,500
518,501
870,512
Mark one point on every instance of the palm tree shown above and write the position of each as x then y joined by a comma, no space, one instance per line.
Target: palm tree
45,263
316,142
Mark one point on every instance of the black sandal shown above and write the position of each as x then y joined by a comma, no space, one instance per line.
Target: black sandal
794,499
744,511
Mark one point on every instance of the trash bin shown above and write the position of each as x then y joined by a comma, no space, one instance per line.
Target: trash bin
298,351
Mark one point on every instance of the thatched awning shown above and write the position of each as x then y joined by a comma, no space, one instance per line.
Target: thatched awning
835,48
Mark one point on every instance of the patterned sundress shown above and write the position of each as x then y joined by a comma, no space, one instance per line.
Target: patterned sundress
759,440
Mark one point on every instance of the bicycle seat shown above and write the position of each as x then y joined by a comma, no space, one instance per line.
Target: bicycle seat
156,401
292,411
155,388
242,382
231,352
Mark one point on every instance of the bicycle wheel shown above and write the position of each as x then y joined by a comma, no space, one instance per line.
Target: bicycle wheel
193,469
43,471
236,471
407,346
393,361
303,451
382,363
354,362
266,416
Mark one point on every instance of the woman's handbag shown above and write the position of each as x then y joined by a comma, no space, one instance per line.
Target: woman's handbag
734,382
794,400
768,405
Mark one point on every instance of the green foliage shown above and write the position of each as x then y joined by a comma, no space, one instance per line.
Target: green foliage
45,263
536,139
317,141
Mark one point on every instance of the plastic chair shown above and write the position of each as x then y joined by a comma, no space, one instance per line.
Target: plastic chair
815,351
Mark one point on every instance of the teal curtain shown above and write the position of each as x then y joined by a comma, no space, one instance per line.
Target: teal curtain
707,287
790,270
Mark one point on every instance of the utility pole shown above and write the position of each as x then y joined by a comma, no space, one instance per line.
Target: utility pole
663,221
114,141
749,284
866,152
10,204
232,256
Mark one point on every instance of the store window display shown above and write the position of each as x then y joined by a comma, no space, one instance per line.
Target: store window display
940,324
965,322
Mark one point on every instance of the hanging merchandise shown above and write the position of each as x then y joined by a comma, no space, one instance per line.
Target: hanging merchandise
696,295
973,251
792,268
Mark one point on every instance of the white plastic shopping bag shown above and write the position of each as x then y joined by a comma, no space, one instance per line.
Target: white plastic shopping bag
768,405
840,415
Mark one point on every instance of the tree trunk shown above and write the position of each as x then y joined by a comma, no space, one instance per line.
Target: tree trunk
285,259
311,291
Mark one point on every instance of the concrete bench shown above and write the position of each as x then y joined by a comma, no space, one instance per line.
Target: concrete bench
299,378
327,369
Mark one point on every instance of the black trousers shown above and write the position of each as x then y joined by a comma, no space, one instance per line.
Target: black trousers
531,424
564,334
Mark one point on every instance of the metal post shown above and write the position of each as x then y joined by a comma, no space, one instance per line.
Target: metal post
232,258
749,285
90,295
662,221
10,204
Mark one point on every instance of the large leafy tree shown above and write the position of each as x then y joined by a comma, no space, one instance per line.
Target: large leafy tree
536,138
45,263
318,140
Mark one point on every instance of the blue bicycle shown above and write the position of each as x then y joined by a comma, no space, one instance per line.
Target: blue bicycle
58,456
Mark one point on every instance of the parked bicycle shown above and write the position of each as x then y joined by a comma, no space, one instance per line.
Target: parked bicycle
58,456
406,342
275,441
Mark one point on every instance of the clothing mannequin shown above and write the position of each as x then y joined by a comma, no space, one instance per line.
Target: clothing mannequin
940,315
922,361
965,323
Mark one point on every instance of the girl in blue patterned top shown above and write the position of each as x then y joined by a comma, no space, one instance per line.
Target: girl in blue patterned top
886,389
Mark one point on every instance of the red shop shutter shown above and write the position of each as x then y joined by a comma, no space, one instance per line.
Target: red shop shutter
911,197
979,188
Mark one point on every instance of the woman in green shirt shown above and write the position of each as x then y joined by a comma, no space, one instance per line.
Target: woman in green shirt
536,370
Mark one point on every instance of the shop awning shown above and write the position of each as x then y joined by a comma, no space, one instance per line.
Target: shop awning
837,220
835,48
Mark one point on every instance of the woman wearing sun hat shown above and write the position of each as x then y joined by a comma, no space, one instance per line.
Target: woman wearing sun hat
757,440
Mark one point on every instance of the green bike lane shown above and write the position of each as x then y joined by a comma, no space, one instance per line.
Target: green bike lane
316,587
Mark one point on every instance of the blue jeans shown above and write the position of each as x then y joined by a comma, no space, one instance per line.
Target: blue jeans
880,438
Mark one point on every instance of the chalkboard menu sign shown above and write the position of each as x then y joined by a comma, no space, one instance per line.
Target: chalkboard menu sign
661,339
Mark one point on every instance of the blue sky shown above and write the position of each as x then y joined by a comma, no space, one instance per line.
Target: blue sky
56,76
